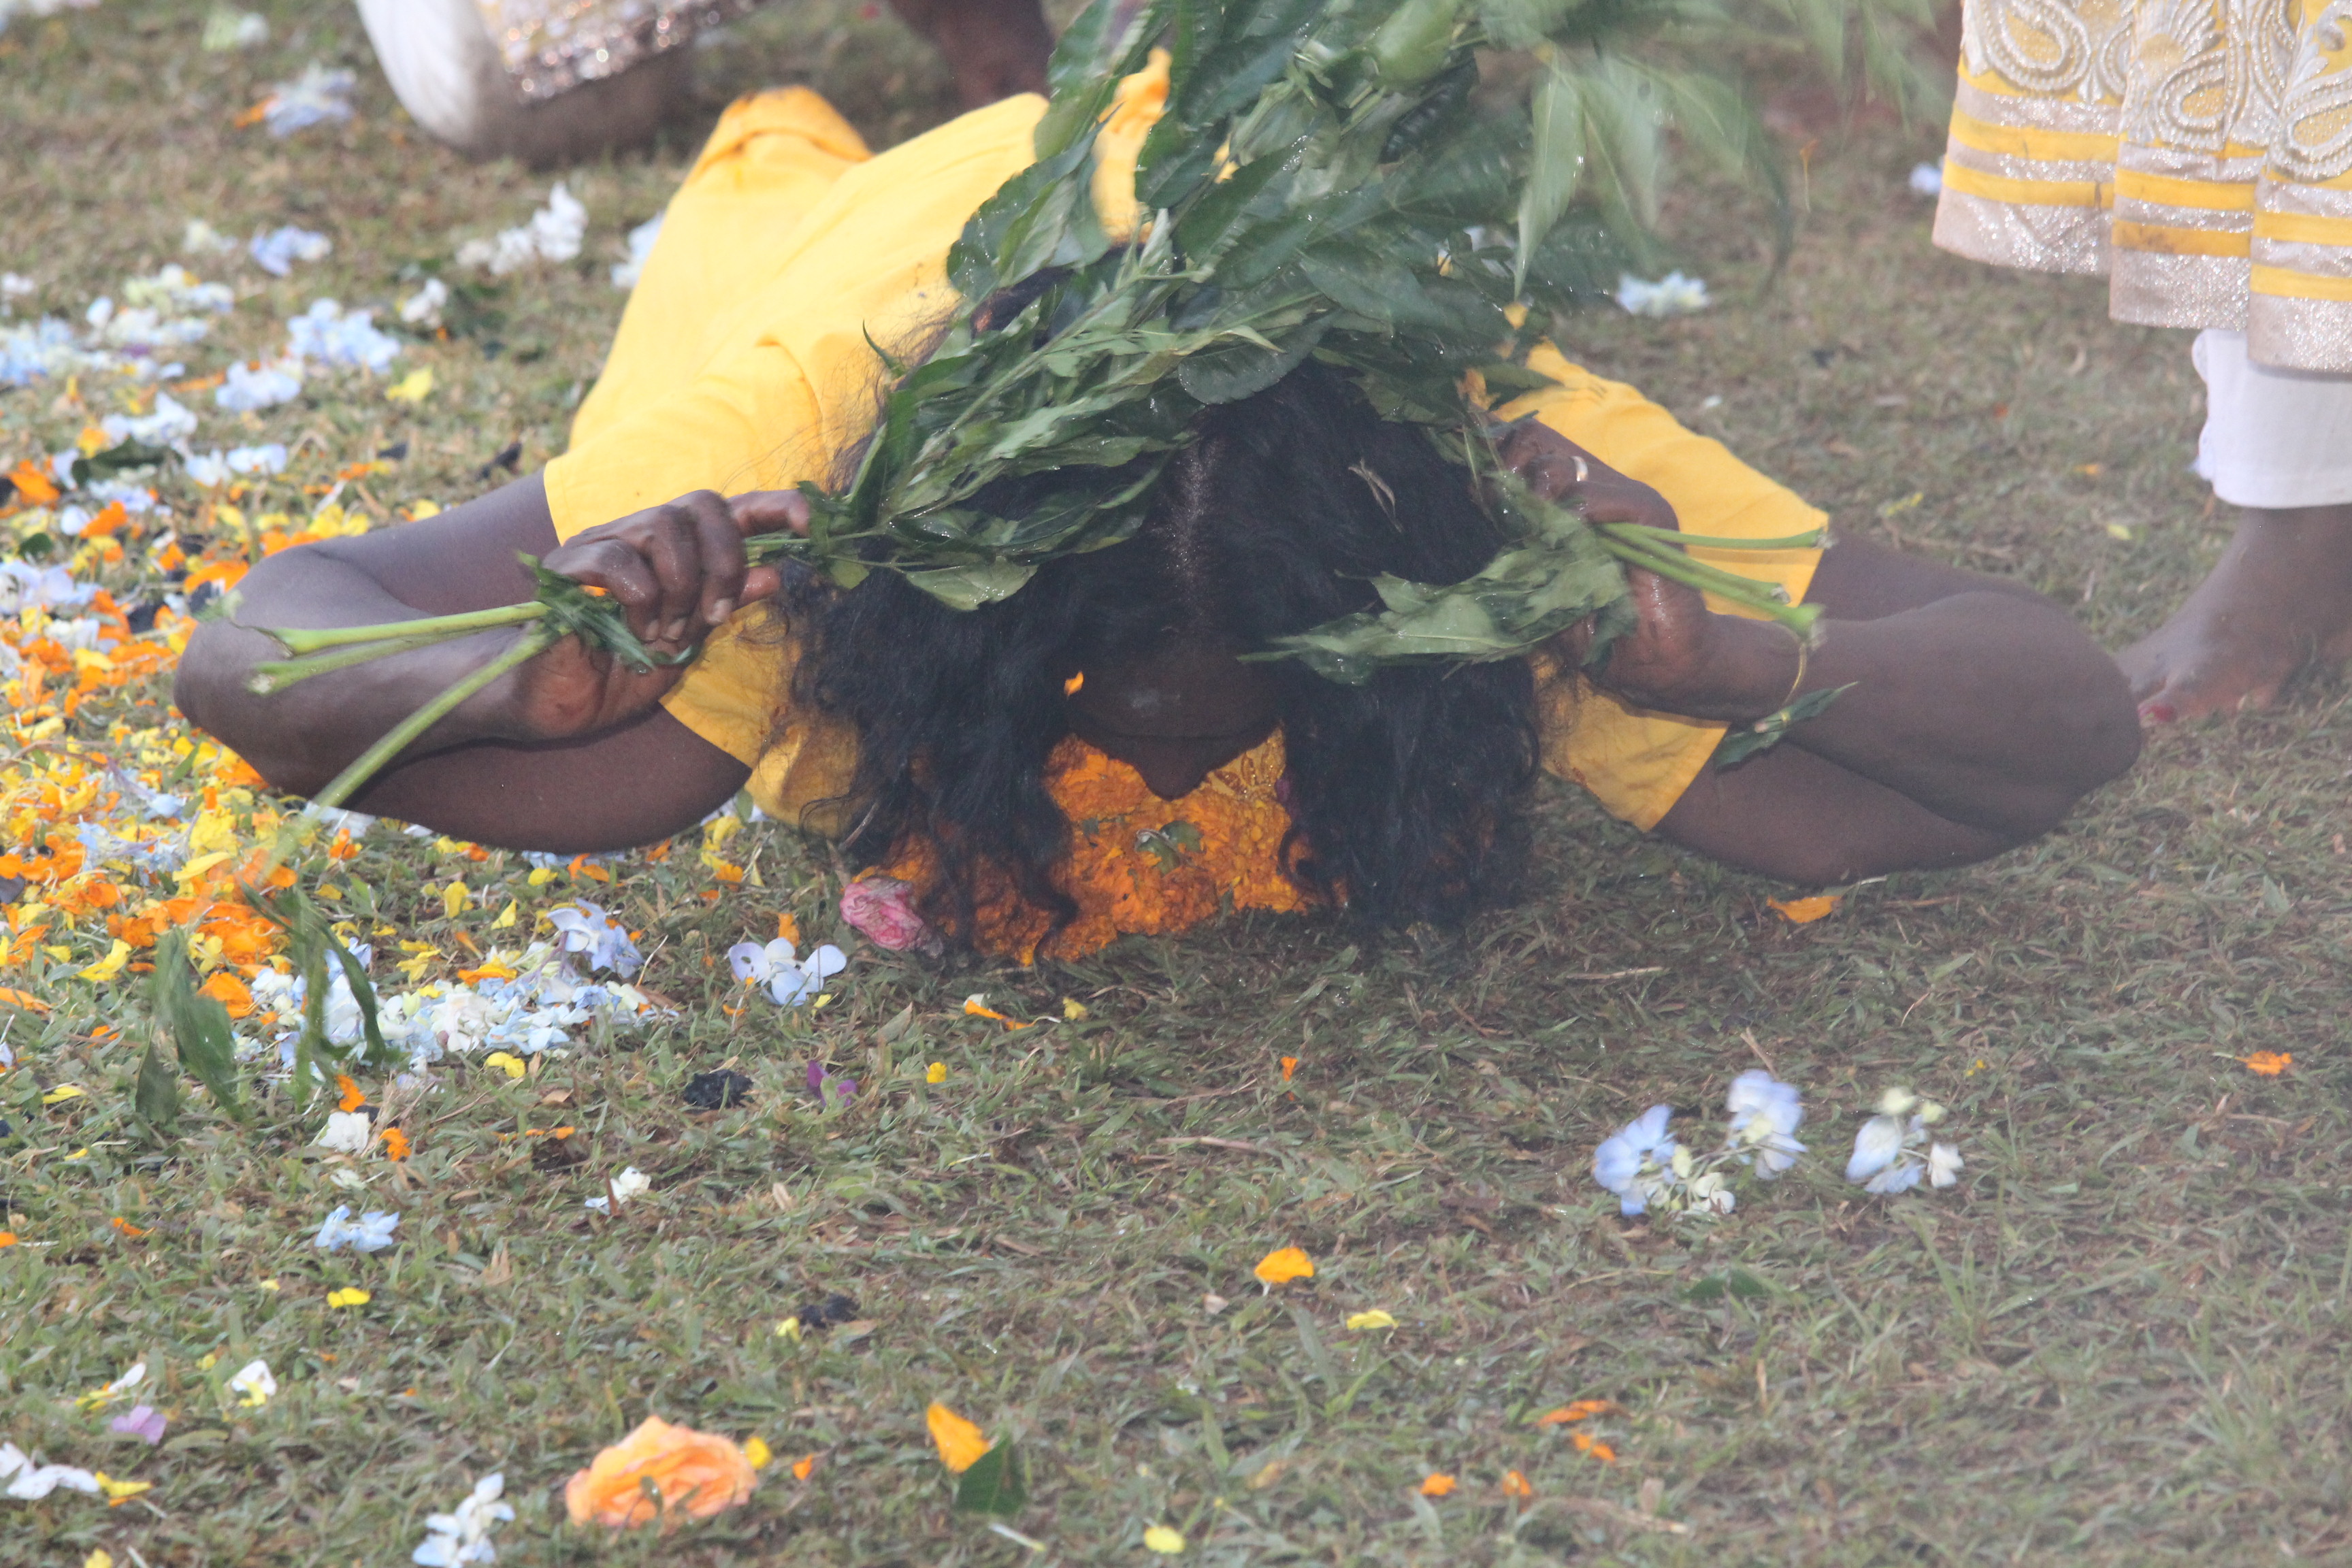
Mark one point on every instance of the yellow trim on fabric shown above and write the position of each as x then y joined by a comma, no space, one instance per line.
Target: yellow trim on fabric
2168,239
2303,228
2027,141
1970,181
2285,283
2215,195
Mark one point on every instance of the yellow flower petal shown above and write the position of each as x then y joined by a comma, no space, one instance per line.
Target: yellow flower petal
507,916
412,389
109,966
936,1073
757,1452
961,1443
122,1491
1162,1539
63,1092
349,1296
512,1064
1283,1265
1375,1318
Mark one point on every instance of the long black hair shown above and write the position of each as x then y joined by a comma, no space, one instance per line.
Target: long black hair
1405,793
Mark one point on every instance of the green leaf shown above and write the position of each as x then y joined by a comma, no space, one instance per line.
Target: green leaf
993,1484
198,1024
1240,369
1737,1283
1414,44
968,587
1745,741
1083,75
1558,163
156,1097
116,459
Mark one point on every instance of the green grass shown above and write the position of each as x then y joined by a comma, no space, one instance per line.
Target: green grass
2121,1339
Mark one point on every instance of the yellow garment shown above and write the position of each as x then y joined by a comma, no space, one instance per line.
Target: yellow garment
745,365
2194,151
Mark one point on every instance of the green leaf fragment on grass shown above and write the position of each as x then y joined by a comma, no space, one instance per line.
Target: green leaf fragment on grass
992,1485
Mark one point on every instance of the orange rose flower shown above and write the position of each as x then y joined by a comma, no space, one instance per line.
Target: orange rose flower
695,1473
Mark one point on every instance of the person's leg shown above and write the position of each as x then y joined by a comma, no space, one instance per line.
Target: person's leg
2278,445
997,48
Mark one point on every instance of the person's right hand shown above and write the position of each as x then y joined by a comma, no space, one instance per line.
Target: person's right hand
679,572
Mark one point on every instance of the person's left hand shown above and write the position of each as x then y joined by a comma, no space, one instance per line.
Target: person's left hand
1680,657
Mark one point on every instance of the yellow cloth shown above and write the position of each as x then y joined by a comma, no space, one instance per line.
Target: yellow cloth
742,363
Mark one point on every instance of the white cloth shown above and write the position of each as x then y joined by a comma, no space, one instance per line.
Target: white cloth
2272,438
442,62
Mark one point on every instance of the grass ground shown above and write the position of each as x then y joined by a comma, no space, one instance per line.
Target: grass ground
2121,1339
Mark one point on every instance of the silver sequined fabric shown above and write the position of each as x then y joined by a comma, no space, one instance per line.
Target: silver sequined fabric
551,45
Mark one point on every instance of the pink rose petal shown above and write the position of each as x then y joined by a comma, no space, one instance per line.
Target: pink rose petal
883,909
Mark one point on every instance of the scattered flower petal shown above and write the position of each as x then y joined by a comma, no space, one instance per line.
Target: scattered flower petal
254,1384
1164,1539
961,1444
1437,1484
692,1473
143,1422
1804,911
1282,1266
1375,1318
371,1232
462,1535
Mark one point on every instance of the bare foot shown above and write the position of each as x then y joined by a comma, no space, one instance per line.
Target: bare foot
997,48
2279,601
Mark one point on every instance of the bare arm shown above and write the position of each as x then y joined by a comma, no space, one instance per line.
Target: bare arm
1978,712
570,752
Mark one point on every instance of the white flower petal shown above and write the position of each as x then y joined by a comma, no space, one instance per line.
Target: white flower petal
1874,1148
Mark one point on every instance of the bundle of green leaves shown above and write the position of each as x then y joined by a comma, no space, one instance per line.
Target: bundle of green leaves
1329,179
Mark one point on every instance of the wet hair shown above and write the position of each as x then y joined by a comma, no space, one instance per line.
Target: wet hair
1406,794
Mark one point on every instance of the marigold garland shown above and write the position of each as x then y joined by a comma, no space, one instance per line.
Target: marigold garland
1134,869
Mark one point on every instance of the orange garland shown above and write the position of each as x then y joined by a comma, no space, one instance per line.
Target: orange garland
1138,864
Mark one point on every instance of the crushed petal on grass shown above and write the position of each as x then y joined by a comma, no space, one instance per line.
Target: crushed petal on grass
371,1232
30,1482
1165,1539
1804,911
1283,1265
349,1296
961,1444
2268,1064
462,1535
631,1182
143,1422
1580,1410
1515,1486
1375,1318
254,1384
689,1473
1437,1484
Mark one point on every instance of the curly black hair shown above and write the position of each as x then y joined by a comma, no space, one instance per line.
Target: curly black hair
1406,794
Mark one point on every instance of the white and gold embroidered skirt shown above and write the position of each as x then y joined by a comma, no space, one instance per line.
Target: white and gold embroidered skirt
2197,151
548,45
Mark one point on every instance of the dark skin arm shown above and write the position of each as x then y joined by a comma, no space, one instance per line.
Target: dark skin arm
1980,712
570,752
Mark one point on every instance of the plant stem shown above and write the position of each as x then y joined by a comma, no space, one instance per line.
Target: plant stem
280,674
1703,542
309,640
1731,584
1797,618
368,763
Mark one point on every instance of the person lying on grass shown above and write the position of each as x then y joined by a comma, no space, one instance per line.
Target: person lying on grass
1097,755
